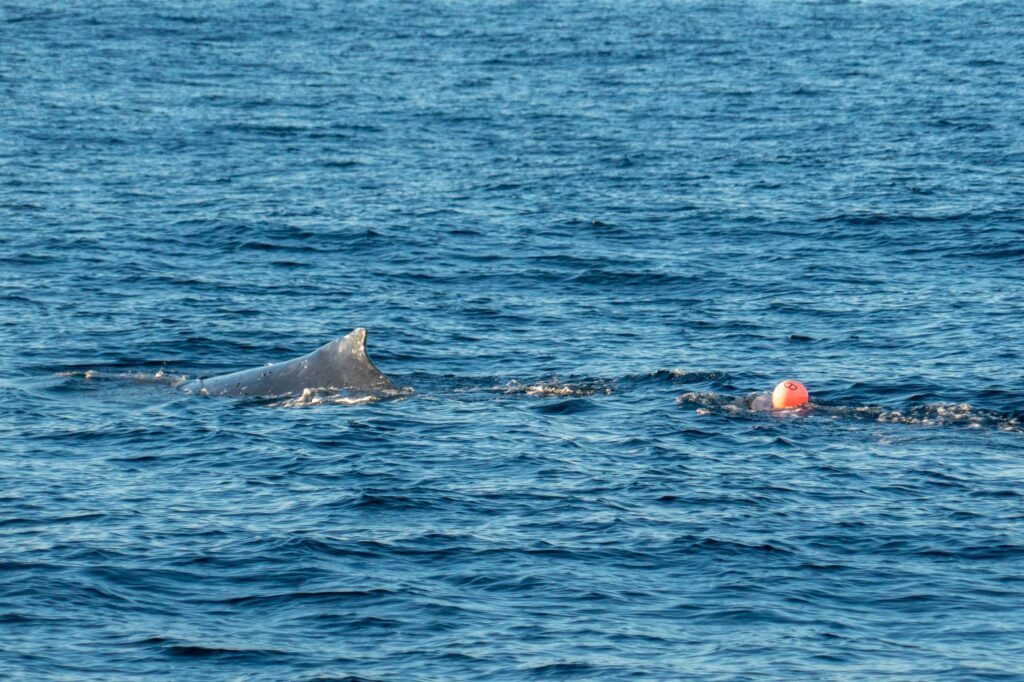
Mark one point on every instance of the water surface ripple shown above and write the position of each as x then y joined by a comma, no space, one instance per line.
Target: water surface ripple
585,235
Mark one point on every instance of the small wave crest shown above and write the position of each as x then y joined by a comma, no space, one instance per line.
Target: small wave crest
678,376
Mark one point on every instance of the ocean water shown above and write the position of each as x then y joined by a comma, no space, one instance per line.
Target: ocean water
583,235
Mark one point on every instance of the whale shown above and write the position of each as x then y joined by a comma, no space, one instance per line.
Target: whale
341,364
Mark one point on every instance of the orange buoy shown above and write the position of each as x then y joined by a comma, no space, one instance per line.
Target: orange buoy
789,393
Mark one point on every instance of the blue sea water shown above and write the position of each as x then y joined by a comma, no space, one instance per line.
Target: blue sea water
584,234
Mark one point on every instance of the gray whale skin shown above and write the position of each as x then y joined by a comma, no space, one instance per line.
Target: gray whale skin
340,364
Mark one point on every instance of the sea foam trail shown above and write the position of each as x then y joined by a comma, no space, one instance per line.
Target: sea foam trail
312,397
554,388
158,377
925,414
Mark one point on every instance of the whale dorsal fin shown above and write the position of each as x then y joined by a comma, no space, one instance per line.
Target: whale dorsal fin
353,365
341,364
356,340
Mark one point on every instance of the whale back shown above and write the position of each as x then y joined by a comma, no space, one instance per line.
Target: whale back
339,364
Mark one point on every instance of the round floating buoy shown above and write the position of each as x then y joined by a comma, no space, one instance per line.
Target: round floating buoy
789,393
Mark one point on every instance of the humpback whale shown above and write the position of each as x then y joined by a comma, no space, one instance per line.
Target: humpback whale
340,364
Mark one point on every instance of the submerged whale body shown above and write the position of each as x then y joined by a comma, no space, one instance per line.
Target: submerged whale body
340,364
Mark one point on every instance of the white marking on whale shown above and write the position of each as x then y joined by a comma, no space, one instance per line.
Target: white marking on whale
340,364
